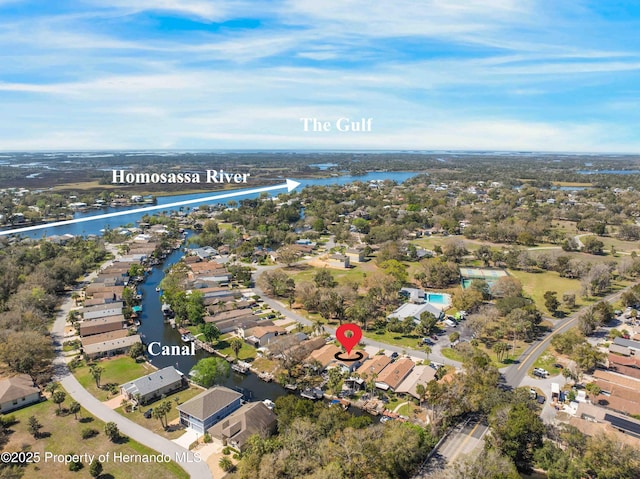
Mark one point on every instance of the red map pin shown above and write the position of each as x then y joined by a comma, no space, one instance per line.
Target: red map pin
348,342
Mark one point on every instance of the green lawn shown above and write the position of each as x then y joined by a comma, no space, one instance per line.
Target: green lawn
396,339
62,435
536,284
116,371
247,352
154,424
265,365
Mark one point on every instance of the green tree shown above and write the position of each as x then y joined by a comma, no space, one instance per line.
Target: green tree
136,351
95,469
606,458
453,337
58,398
516,432
236,343
96,372
74,408
396,269
421,391
209,371
34,426
324,279
500,348
551,301
592,245
210,332
112,431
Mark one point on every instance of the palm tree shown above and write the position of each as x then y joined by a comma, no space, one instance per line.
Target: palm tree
428,350
96,372
236,343
318,326
421,391
74,408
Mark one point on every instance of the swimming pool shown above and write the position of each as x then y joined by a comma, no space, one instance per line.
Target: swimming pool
440,299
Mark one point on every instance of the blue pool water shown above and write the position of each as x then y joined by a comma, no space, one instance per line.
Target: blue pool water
439,298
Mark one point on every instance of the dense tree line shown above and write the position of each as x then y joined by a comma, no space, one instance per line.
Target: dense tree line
31,278
314,441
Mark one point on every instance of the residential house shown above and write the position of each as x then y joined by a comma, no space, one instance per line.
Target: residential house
251,418
208,408
634,346
356,255
324,355
113,347
102,310
419,375
338,261
102,337
17,392
261,335
153,386
394,374
89,327
413,310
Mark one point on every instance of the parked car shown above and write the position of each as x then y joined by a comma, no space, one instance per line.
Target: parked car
148,413
426,341
394,355
450,322
434,337
541,373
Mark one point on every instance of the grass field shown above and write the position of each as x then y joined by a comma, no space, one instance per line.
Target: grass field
247,352
154,424
116,371
396,339
536,284
62,435
546,361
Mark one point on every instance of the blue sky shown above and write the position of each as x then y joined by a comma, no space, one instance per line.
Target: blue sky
230,74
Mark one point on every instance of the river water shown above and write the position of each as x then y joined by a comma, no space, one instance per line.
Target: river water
95,227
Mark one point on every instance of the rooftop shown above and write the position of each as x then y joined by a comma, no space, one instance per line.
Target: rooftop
209,402
153,382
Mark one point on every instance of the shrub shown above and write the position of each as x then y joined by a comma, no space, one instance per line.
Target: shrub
207,438
225,464
75,466
226,451
88,433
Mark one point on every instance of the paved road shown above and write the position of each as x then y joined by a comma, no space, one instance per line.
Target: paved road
465,439
516,373
186,459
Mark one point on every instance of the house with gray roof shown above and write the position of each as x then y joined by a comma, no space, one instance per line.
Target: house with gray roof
208,408
628,343
153,386
251,418
413,310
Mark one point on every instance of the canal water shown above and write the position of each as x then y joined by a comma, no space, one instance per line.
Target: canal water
95,227
153,328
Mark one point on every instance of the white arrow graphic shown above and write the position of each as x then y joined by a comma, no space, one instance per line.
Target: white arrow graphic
290,185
